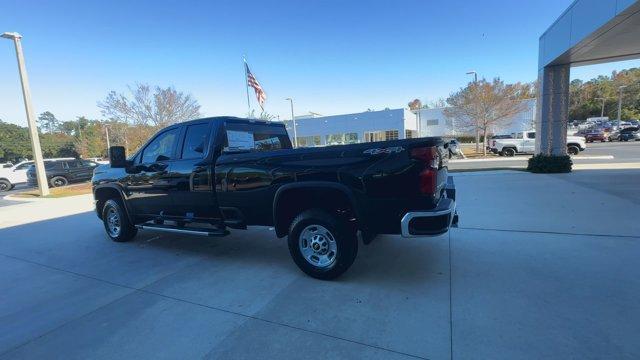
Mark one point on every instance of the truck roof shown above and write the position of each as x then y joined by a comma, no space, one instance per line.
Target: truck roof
232,118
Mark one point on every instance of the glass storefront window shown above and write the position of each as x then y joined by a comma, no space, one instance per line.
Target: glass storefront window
308,141
341,139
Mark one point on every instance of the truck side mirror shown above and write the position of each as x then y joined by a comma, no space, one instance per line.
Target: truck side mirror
118,157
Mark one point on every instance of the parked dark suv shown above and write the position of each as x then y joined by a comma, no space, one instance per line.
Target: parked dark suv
63,172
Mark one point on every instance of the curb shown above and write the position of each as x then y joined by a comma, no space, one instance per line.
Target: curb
523,158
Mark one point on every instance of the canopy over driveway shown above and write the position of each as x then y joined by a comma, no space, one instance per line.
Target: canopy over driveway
588,32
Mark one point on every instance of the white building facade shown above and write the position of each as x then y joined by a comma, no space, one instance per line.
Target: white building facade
434,122
389,124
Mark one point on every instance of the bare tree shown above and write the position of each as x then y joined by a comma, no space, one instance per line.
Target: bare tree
147,106
482,105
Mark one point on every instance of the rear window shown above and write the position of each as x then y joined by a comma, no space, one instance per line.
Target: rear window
255,137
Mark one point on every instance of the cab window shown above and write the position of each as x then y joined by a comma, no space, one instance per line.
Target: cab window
161,148
531,135
195,141
519,136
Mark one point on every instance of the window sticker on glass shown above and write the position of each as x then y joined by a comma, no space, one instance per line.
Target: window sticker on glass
239,140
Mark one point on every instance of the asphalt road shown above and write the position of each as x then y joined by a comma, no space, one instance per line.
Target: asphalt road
622,152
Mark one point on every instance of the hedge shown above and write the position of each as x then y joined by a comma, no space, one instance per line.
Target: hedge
548,164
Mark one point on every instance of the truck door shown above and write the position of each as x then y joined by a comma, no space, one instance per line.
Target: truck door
529,142
148,183
191,174
20,172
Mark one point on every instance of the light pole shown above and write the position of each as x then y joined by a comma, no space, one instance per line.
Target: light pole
475,82
43,187
293,120
602,110
620,88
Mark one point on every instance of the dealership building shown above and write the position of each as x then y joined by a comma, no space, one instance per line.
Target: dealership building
390,124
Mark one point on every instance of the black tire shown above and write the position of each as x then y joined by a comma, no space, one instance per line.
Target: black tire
58,181
5,185
573,150
340,236
126,230
509,152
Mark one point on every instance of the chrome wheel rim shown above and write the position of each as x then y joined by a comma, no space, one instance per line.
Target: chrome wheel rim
58,182
318,246
113,222
4,186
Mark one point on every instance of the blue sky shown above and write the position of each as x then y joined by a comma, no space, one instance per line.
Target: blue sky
331,56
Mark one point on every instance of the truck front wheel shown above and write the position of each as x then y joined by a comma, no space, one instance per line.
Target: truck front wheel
5,185
321,244
573,150
116,222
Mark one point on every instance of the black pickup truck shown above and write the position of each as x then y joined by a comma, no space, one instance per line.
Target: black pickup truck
205,176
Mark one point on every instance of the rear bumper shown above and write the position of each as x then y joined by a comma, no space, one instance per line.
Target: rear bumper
435,221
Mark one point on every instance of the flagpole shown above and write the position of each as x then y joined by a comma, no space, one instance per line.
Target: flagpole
246,84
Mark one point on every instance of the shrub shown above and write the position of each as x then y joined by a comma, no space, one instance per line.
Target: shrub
550,164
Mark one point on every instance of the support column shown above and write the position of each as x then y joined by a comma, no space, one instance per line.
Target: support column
552,110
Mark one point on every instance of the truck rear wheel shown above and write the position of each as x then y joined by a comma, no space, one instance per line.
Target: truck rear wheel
509,152
116,222
573,150
321,244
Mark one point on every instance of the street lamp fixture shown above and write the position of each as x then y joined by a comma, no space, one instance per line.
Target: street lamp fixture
293,120
43,186
11,35
475,75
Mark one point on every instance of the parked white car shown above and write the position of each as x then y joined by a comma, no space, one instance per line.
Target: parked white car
525,143
17,174
13,175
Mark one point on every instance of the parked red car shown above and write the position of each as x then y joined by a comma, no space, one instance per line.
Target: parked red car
595,136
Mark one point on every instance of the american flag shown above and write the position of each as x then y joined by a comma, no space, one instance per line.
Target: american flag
253,82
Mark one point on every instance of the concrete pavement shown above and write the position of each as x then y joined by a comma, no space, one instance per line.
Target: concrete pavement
597,155
542,266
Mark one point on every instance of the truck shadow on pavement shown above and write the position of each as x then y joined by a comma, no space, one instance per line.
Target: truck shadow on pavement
78,243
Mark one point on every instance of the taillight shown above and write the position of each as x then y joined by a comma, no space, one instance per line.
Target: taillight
428,181
428,155
428,178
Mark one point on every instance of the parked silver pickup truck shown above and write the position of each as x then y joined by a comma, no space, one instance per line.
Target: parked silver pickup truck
524,142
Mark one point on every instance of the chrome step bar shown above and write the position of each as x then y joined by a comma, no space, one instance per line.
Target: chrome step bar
184,230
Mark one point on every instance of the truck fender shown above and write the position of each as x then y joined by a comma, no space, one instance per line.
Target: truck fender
108,191
309,185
